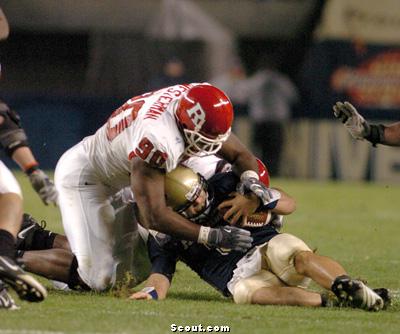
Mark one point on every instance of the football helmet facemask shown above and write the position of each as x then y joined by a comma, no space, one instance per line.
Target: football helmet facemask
205,115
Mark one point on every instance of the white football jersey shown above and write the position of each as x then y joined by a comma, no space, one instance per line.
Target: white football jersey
207,166
144,127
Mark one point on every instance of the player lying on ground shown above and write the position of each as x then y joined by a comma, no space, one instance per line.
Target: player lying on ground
360,129
275,271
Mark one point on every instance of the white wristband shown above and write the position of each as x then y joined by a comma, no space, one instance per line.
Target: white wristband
203,235
248,174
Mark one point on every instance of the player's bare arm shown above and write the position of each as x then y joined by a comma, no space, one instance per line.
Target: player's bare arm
4,27
392,134
148,186
238,155
286,204
156,287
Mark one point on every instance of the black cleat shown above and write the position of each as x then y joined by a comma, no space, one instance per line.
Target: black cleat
329,299
28,229
27,287
385,295
354,293
6,301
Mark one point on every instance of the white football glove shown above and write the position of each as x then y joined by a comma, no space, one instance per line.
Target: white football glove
268,196
352,120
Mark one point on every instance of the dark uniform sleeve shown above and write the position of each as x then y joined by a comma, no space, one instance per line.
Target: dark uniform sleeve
163,258
12,136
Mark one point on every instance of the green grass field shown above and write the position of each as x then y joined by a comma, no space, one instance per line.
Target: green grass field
356,223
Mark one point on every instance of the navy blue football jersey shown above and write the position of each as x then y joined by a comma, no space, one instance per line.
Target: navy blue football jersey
213,265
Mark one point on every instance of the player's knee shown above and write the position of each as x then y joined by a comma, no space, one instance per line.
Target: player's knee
245,288
96,278
302,261
101,282
281,253
243,292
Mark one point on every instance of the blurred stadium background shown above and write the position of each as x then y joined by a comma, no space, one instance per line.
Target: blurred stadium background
67,65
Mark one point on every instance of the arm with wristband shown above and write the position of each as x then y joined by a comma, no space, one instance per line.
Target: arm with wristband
361,129
163,265
156,288
15,143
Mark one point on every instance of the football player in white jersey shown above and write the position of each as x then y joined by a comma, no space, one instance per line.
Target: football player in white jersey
143,139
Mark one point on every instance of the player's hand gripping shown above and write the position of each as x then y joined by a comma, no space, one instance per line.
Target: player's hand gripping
44,187
229,237
352,120
239,206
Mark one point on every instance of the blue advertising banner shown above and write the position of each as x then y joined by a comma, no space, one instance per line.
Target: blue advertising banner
355,57
364,74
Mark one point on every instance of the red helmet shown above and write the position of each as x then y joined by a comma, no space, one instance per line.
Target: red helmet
205,115
263,172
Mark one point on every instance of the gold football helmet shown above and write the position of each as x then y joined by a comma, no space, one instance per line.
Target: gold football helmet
182,187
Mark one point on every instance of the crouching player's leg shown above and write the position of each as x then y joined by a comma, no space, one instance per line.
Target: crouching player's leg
46,253
288,264
11,274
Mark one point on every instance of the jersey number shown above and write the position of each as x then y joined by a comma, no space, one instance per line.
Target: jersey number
148,153
123,117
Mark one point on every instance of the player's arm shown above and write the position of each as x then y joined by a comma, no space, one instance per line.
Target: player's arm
360,129
15,143
156,288
285,205
148,187
4,27
238,155
391,134
163,257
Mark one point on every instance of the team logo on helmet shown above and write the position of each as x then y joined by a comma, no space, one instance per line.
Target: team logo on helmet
197,115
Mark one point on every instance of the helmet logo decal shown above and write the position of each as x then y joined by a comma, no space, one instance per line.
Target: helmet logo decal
197,115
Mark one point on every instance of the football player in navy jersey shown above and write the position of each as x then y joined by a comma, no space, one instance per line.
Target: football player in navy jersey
277,268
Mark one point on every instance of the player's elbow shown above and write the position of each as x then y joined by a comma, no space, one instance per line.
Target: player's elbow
285,206
154,218
291,206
